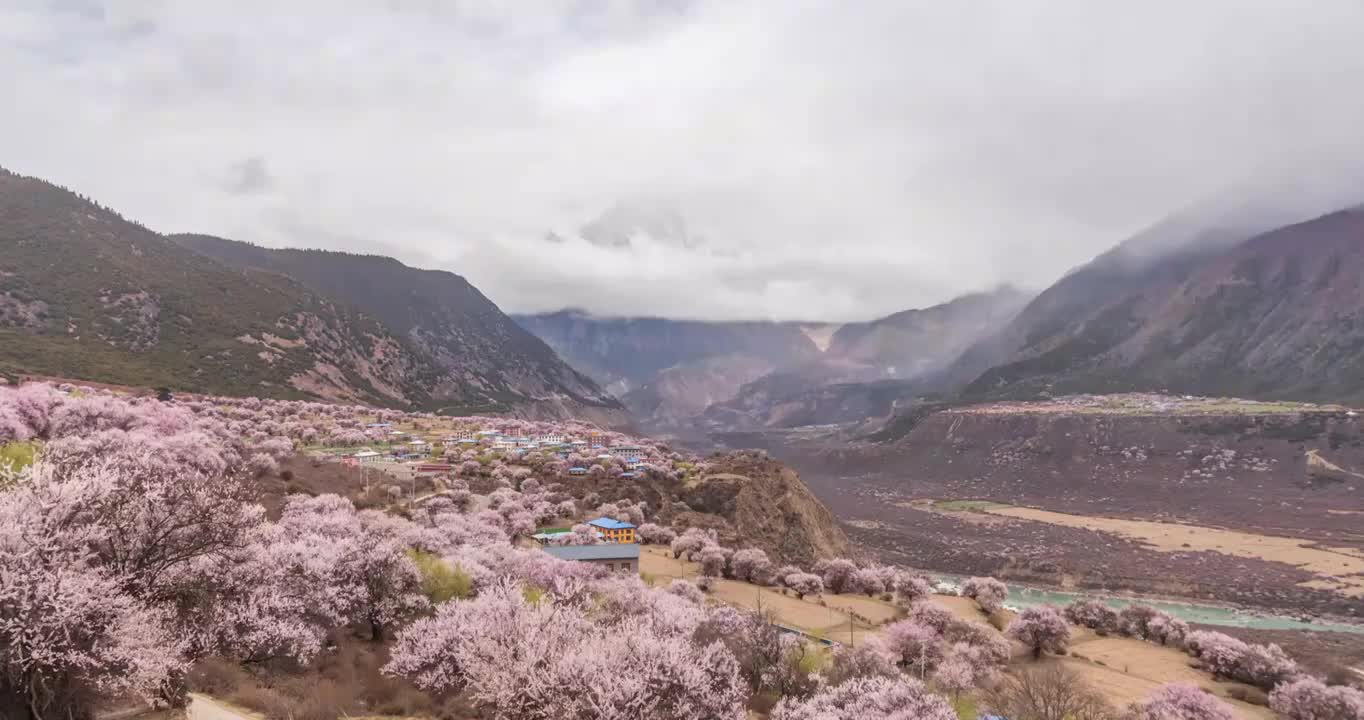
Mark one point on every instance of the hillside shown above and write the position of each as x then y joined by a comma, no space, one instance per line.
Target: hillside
1276,315
1254,502
87,294
483,358
869,369
912,343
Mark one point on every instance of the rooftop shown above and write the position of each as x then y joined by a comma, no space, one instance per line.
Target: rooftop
605,551
609,524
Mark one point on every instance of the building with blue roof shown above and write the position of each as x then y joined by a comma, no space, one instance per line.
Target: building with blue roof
614,530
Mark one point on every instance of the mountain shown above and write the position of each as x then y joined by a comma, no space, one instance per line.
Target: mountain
482,355
868,369
675,374
623,354
88,294
915,342
1276,315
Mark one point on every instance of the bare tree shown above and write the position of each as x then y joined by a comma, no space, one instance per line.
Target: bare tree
1047,691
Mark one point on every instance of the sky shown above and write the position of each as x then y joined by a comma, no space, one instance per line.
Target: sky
829,160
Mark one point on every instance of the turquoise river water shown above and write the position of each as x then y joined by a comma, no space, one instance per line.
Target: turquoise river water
1021,597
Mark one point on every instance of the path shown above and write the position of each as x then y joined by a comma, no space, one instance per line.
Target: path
203,707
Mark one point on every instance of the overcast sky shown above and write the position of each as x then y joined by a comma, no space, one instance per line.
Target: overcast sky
840,160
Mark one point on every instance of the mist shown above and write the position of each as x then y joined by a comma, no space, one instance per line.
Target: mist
828,164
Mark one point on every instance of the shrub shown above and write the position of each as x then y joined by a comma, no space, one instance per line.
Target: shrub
439,580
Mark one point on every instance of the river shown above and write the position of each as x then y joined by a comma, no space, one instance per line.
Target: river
1022,597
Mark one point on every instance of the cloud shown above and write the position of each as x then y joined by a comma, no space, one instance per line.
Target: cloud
248,177
840,163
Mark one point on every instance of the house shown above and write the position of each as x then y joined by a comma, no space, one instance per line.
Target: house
418,445
578,444
614,530
628,452
503,443
434,469
550,438
578,470
615,557
365,455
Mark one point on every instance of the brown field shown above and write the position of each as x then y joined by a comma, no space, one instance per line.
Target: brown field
1339,569
826,616
1123,669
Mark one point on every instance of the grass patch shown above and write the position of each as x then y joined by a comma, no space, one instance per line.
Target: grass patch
965,707
440,581
16,456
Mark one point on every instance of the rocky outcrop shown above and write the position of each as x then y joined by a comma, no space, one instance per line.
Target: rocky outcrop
748,498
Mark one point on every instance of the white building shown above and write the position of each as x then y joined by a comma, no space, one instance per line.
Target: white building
628,452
